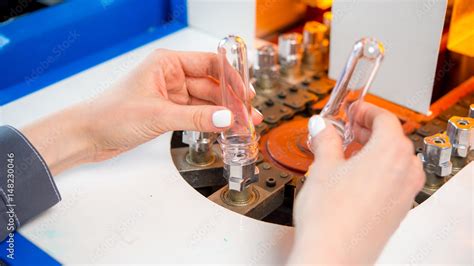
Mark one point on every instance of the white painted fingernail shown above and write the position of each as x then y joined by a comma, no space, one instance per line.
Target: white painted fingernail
253,89
258,112
222,118
315,125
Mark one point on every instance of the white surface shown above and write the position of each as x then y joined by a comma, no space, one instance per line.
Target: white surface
410,31
440,230
136,208
222,17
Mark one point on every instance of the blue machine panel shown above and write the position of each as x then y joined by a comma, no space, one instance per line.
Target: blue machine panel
40,48
20,251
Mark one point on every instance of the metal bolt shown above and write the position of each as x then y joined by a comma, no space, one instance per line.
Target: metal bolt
266,58
303,179
313,34
270,182
200,147
265,67
290,49
269,102
266,166
284,174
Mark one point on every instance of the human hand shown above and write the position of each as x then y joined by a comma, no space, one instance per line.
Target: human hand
348,208
168,91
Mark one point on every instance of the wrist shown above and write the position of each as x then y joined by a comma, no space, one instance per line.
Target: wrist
315,251
62,139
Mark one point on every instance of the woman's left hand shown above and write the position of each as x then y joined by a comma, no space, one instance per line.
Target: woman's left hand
168,91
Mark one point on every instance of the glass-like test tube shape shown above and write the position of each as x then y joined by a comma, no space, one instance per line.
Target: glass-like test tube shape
239,143
352,86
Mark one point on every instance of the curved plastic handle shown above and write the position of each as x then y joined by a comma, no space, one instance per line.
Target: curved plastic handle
352,85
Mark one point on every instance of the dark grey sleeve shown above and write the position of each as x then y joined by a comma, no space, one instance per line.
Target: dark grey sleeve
26,185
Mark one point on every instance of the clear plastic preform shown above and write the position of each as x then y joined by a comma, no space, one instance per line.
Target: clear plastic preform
352,86
239,143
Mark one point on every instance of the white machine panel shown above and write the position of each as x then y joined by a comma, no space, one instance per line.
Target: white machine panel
407,73
220,18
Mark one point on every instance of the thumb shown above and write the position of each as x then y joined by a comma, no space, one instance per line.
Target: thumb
326,143
204,118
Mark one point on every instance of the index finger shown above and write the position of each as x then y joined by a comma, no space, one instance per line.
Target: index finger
205,64
199,64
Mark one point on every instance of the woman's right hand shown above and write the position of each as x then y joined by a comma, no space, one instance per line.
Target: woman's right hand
348,208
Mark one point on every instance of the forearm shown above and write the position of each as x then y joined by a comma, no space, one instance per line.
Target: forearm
62,139
311,247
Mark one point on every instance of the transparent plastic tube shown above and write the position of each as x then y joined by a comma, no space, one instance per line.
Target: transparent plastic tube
239,143
352,86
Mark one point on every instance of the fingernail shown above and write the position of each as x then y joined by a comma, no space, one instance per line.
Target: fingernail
222,118
253,89
315,125
258,112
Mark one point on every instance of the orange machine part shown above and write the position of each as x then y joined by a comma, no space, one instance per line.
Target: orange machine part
286,145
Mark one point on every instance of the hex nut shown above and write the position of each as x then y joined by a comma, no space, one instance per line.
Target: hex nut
437,154
461,135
